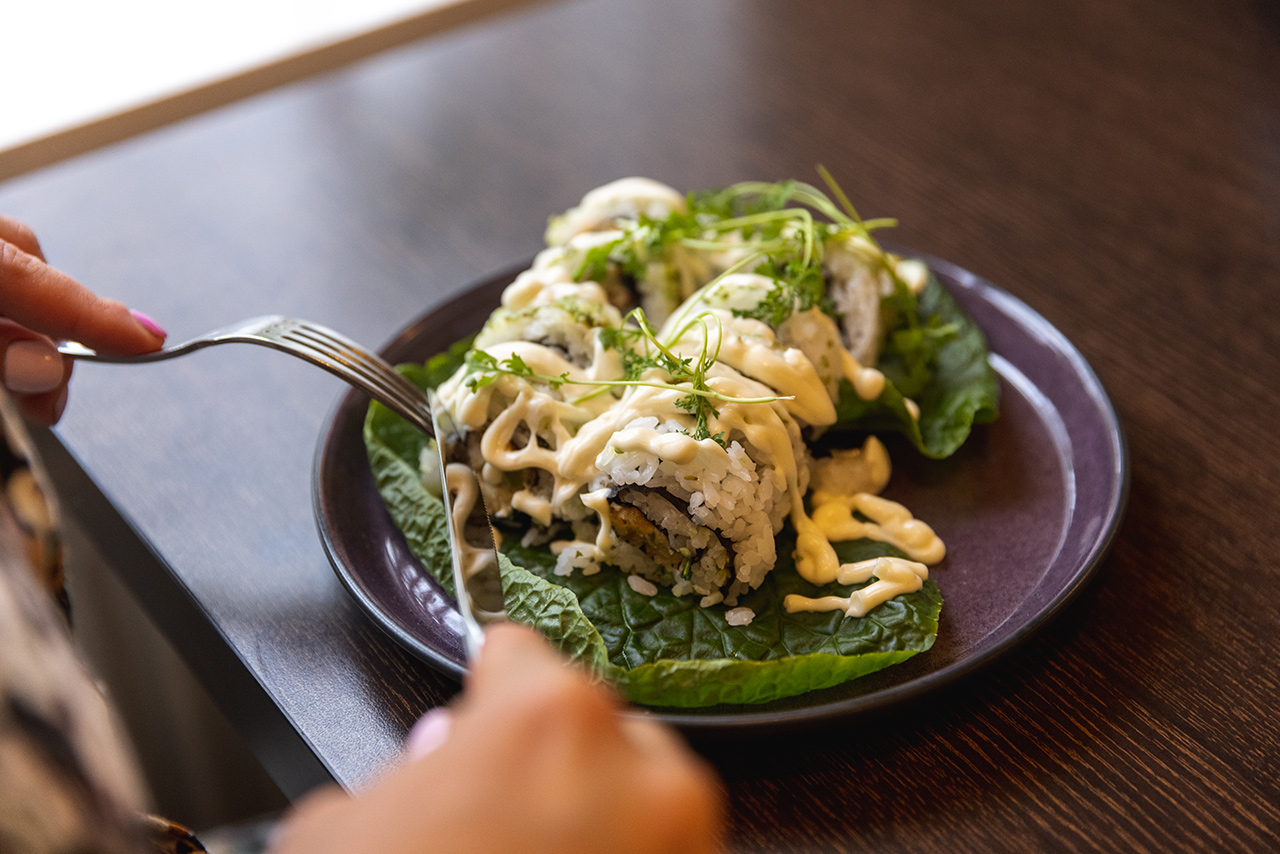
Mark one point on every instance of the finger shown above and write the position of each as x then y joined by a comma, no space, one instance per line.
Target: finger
31,363
679,785
652,738
316,823
665,752
511,651
50,302
20,236
43,408
33,371
523,684
518,664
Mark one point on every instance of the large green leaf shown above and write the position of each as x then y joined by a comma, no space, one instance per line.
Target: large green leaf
961,388
664,650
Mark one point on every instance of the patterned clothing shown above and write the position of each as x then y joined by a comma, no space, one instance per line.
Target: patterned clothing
68,782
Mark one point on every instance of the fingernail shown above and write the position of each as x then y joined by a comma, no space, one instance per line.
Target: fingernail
149,324
428,733
32,367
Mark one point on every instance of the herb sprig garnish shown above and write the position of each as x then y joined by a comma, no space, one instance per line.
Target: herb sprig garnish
917,344
800,282
774,222
641,351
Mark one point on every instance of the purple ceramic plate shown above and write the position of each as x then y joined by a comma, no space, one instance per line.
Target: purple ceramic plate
1027,509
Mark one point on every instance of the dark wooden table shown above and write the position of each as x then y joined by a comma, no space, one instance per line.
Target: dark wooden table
1114,163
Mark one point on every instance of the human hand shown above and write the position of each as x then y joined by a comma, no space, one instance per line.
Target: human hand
38,305
536,759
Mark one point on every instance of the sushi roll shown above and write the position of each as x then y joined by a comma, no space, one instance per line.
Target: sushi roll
643,398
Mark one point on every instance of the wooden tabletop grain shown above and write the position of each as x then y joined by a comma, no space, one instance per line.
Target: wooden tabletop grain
1113,163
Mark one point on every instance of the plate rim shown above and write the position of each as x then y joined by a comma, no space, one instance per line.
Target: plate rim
767,719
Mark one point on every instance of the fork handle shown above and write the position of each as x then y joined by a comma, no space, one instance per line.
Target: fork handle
420,418
78,351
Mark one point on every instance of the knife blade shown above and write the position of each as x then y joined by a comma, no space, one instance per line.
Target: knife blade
473,547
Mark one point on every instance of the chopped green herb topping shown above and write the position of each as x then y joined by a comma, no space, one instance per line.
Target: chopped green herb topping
641,351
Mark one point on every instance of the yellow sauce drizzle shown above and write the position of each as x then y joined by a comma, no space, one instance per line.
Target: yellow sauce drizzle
890,523
894,576
868,383
844,484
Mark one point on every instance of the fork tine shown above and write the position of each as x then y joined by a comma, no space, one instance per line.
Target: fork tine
344,348
378,382
408,406
379,378
358,359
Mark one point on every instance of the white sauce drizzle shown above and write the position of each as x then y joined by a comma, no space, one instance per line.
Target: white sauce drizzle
460,480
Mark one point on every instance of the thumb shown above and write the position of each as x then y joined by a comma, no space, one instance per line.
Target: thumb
34,372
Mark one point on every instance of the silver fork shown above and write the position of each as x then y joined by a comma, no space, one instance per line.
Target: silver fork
336,353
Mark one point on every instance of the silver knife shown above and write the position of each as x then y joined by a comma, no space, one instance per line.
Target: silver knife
476,577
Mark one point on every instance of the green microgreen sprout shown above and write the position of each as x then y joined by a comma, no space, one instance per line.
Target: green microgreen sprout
687,374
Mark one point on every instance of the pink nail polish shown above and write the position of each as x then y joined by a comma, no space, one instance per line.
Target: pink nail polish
428,733
149,324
